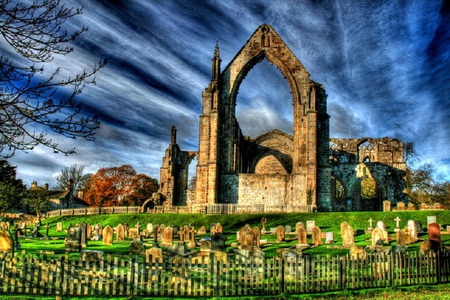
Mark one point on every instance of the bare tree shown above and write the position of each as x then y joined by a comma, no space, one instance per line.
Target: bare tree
28,95
72,174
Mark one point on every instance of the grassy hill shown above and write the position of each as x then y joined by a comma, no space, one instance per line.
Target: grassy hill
232,224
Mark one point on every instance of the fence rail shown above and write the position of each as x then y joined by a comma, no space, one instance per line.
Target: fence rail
196,208
208,276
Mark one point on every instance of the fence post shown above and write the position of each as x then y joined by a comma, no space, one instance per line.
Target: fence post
438,266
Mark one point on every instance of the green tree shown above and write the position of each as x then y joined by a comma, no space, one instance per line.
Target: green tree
12,190
37,200
30,94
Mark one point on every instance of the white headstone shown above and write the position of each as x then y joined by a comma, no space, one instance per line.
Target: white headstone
310,225
431,219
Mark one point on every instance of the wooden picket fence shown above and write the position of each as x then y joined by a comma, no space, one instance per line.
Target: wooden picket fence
116,276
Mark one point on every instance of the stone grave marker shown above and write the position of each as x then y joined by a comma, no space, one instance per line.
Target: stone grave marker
201,230
179,249
419,227
132,233
88,231
218,242
401,206
397,224
434,232
348,236
108,233
137,246
191,237
310,225
263,224
387,205
241,235
381,225
329,238
120,233
377,237
301,234
411,206
280,234
431,219
154,255
412,226
402,238
217,228
370,229
84,241
288,228
73,240
6,242
97,233
343,226
91,255
59,227
150,228
205,245
168,236
160,232
256,236
316,236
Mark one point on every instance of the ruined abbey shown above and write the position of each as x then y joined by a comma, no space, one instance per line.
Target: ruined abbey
276,168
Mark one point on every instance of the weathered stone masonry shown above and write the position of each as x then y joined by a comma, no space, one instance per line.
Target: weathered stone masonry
274,168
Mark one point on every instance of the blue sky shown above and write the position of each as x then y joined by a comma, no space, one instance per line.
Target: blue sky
384,64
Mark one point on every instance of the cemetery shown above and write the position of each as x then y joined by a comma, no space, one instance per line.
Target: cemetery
223,255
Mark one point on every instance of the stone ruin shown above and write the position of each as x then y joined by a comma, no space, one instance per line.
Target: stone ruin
277,168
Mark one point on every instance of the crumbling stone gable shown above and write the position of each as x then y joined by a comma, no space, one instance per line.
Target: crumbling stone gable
275,168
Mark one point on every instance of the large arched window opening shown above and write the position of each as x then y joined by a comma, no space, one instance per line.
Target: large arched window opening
264,101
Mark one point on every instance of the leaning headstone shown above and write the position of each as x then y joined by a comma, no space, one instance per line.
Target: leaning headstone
434,232
73,240
301,234
280,234
108,233
59,227
317,236
120,233
310,225
431,219
6,242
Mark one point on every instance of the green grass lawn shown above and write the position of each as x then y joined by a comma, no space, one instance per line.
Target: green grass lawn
232,224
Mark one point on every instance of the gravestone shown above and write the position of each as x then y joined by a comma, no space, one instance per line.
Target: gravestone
216,228
160,232
301,234
357,252
263,224
201,230
218,242
280,234
343,226
370,229
256,237
401,206
431,219
84,241
6,242
120,233
154,255
387,205
91,255
310,225
72,242
402,237
288,228
97,233
137,246
205,245
59,227
316,236
381,225
413,229
377,237
191,237
411,206
150,229
397,224
168,236
179,249
88,231
132,233
348,236
419,227
108,233
329,238
35,233
241,235
434,232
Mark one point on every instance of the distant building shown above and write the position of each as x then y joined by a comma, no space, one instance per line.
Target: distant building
61,199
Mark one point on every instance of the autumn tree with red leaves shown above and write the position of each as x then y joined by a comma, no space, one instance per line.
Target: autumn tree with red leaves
119,186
